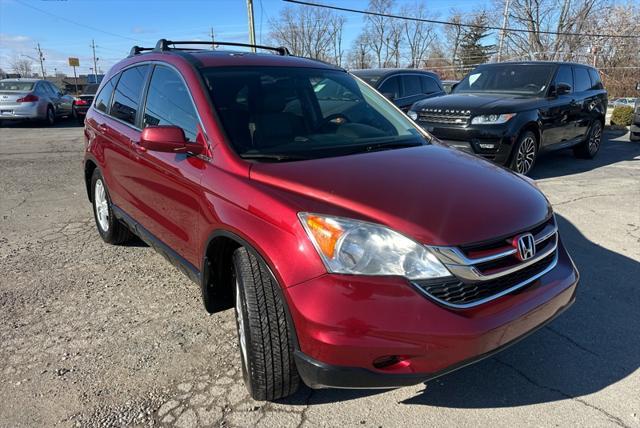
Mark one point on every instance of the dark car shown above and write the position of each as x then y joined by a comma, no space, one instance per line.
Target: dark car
508,112
403,86
82,102
355,253
635,123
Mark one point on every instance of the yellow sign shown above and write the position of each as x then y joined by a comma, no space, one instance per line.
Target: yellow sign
74,62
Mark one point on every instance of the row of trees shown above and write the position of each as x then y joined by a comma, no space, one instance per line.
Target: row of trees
454,49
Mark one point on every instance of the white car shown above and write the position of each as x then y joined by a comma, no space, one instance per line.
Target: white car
32,99
624,102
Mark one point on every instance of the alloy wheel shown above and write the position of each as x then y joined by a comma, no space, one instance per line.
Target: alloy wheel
526,155
595,138
241,333
101,205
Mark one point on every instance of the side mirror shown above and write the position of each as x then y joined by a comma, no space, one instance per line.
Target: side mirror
562,88
390,96
169,139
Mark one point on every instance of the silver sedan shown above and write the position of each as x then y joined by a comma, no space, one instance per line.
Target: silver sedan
33,99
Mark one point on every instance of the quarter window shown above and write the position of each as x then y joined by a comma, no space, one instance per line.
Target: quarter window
583,81
101,103
168,103
126,98
429,85
596,83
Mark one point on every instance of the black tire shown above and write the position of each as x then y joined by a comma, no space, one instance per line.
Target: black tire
50,118
267,360
115,232
588,149
634,137
525,153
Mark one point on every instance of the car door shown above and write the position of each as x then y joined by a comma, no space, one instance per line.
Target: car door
586,100
556,115
390,88
119,131
167,185
65,102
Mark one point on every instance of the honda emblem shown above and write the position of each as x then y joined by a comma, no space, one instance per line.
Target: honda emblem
525,246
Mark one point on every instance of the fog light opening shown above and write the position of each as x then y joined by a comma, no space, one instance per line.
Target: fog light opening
391,362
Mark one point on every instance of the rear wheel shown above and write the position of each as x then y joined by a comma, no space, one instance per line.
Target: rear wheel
589,148
525,153
264,336
50,118
109,227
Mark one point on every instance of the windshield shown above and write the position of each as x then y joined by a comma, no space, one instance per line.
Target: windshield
15,85
284,114
522,79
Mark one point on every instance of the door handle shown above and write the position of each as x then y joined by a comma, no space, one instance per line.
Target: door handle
103,128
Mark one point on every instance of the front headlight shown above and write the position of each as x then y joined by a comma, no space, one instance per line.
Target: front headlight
357,247
413,115
492,119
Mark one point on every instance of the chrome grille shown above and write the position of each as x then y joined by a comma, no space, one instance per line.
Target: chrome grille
485,272
445,116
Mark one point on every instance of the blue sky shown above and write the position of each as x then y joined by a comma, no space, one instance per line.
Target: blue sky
116,25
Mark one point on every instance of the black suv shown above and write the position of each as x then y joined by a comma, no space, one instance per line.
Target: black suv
508,112
402,86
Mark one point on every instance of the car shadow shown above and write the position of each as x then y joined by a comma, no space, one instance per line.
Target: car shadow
616,147
591,346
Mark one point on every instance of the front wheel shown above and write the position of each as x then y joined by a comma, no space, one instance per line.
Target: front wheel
589,148
525,153
264,336
109,227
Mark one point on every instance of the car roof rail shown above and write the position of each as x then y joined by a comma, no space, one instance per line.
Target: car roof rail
164,45
137,50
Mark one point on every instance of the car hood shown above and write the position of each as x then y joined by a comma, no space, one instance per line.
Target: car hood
479,103
436,195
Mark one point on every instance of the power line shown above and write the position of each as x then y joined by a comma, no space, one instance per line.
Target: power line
74,22
436,21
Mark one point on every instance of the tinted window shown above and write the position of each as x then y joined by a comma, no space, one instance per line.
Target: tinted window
582,79
525,79
391,86
101,102
54,89
411,86
429,85
126,97
596,83
168,103
564,75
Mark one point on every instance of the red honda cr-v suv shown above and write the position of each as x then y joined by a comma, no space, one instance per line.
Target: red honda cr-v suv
356,251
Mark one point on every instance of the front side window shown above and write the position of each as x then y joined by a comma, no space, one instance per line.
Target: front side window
583,81
169,103
596,83
126,97
516,79
280,114
101,102
391,87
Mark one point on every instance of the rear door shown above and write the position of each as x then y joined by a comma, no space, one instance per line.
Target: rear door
167,185
410,91
557,123
390,88
586,99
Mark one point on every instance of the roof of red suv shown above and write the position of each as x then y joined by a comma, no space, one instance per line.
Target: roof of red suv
222,58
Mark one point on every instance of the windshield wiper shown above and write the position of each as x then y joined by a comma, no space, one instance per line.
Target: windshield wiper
272,157
385,146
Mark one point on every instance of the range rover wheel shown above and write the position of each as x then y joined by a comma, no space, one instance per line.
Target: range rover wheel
589,148
264,336
525,153
109,227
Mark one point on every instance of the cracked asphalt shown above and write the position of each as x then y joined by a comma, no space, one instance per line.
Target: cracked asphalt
96,335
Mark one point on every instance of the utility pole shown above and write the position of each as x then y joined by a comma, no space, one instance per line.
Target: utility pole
213,46
41,58
505,20
95,60
252,27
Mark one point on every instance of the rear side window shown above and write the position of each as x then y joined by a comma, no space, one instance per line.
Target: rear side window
168,103
596,83
564,75
391,87
101,103
411,86
582,79
429,85
126,98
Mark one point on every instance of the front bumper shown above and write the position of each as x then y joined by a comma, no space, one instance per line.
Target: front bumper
345,323
492,142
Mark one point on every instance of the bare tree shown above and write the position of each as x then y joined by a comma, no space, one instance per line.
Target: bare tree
310,32
453,35
21,66
418,35
384,34
359,55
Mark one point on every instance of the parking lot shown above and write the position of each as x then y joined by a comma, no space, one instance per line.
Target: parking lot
97,335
